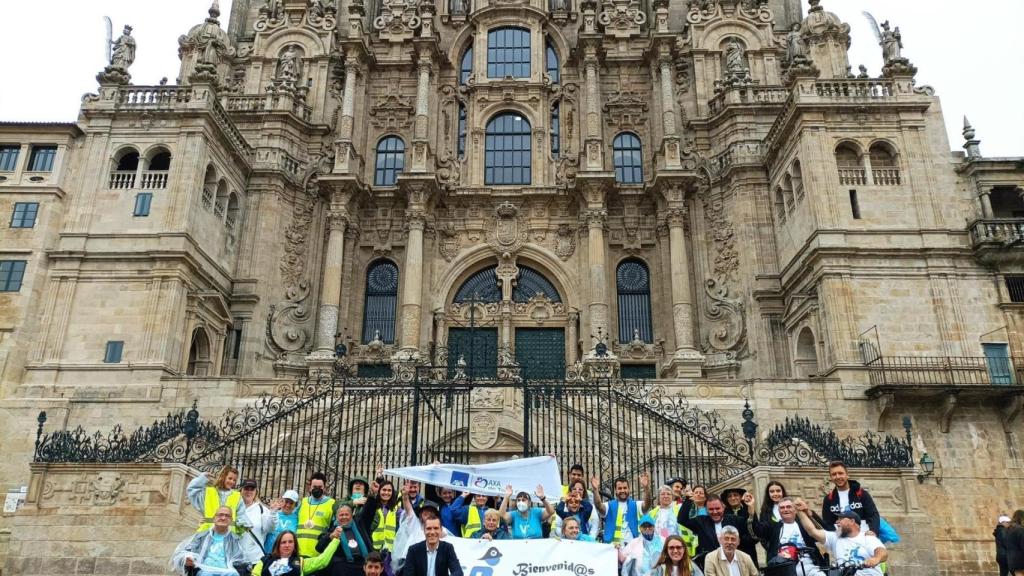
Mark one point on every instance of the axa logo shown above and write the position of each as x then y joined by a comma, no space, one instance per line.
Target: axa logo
459,479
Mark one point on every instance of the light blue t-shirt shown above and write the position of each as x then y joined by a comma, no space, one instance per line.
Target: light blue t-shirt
216,556
529,527
284,522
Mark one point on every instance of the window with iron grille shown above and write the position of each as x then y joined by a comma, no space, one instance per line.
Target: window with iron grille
508,52
1015,286
628,159
633,284
381,302
142,202
41,158
12,272
507,150
390,160
9,158
24,215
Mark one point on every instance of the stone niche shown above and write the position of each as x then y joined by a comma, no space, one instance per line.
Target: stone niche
101,519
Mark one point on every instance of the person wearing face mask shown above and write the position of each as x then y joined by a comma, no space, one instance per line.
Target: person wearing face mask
315,514
357,487
621,515
640,555
287,510
526,520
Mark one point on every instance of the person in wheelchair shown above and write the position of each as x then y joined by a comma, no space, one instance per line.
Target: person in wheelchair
848,544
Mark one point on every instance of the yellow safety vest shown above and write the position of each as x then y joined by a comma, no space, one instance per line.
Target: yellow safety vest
211,502
472,522
620,520
384,534
689,538
319,515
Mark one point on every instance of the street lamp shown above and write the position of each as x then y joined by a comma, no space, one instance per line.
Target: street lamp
927,467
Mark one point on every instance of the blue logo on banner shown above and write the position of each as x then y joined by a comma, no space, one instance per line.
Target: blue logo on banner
460,479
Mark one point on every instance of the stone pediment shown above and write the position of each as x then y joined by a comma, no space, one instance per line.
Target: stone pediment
392,112
626,109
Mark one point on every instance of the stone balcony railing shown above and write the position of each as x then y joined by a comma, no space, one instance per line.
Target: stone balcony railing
853,176
885,176
1002,231
154,96
146,180
748,95
259,103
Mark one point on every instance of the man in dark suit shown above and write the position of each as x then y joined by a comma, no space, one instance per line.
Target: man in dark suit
432,557
708,528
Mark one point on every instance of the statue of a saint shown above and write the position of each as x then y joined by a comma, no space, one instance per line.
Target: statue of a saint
123,54
735,58
795,46
892,43
288,67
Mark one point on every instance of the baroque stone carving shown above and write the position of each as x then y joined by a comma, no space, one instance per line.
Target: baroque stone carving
565,241
398,20
483,430
450,241
626,109
122,56
737,70
701,10
289,324
392,112
723,237
726,331
106,488
622,18
509,232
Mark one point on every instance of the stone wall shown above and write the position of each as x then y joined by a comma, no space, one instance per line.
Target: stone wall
100,519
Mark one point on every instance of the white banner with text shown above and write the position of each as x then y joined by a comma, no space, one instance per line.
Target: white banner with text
524,474
543,557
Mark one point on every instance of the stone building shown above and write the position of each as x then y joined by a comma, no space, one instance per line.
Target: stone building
702,187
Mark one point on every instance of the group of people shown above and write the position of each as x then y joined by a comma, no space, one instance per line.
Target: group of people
1009,535
676,530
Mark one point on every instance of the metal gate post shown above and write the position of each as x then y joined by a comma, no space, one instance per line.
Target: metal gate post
526,419
415,423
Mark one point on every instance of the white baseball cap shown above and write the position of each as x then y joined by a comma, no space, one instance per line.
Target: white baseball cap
291,495
1004,519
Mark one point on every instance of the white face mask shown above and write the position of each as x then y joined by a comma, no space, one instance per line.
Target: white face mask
523,506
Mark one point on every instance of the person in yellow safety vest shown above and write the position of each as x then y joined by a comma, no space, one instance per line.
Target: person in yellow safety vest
385,523
471,516
622,515
666,518
316,512
207,498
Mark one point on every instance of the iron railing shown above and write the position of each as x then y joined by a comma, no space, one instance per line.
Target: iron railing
945,371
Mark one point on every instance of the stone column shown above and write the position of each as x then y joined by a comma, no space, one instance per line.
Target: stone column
571,338
419,139
986,203
598,307
670,141
412,286
330,293
346,120
594,159
440,329
686,362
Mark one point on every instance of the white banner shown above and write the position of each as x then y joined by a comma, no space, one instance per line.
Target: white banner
523,474
545,557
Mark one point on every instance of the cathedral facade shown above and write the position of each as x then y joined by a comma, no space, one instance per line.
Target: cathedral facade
696,192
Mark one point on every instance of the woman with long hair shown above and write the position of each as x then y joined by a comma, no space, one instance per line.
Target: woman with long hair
385,524
207,498
698,494
284,559
674,560
773,492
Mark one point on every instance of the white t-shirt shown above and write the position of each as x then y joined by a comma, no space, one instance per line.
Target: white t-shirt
844,500
853,549
791,535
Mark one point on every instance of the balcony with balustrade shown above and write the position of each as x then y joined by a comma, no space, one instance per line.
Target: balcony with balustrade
998,236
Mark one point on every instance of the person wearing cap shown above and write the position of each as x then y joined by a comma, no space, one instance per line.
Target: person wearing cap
207,498
526,521
848,496
1000,535
640,555
262,520
315,514
786,532
357,487
287,517
355,535
849,544
434,557
678,486
1015,544
728,559
622,514
734,504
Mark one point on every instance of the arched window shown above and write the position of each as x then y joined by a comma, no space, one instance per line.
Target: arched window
381,302
234,213
466,69
884,169
123,176
633,284
787,191
482,287
551,62
556,131
129,161
160,161
390,160
780,204
628,159
220,205
530,283
798,180
199,363
209,186
851,170
462,131
507,146
508,52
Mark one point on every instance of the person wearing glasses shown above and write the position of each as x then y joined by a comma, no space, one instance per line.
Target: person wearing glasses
675,560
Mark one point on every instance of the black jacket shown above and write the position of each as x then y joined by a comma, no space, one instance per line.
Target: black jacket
860,502
704,528
1014,538
769,532
446,563
269,559
1000,535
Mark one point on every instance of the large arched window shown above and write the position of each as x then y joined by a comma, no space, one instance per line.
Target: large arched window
466,68
551,62
381,302
507,146
633,284
508,52
628,159
390,160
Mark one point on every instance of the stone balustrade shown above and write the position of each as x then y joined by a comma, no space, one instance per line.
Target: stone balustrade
885,176
154,179
122,180
853,176
748,95
997,230
146,180
867,88
154,96
260,103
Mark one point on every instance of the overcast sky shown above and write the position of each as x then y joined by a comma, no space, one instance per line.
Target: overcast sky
970,55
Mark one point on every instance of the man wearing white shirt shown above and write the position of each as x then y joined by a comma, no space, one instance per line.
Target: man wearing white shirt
728,560
850,544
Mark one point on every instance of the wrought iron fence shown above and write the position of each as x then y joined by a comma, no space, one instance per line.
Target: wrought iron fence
945,371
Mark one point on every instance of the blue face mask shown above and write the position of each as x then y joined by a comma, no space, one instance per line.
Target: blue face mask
357,495
648,537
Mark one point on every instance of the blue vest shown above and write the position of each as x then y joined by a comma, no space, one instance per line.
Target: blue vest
631,519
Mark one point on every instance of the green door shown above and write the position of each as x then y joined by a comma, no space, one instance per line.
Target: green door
478,347
540,353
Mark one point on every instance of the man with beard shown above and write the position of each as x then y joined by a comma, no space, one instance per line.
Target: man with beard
850,544
622,514
848,496
776,535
